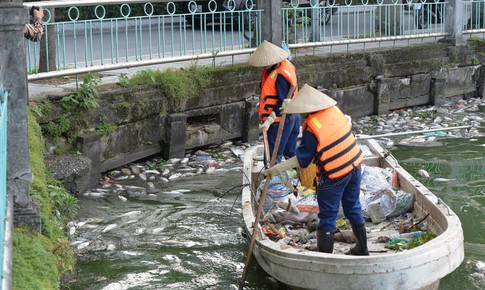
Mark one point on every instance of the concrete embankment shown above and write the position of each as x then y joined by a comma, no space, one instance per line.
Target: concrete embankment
136,121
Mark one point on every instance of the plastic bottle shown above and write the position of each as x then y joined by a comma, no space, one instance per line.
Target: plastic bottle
412,235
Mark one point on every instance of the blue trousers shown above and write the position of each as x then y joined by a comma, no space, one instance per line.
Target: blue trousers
330,192
289,137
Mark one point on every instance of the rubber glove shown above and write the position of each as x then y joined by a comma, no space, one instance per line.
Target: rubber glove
280,167
268,121
284,104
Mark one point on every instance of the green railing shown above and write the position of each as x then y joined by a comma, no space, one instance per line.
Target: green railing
96,35
102,35
3,168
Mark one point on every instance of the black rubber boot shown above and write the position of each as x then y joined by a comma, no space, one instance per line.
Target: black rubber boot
360,234
325,241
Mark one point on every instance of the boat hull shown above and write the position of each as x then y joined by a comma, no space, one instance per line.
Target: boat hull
419,268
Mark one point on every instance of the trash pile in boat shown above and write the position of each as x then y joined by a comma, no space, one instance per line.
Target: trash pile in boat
290,214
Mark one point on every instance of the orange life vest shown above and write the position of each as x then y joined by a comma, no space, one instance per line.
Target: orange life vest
337,152
269,96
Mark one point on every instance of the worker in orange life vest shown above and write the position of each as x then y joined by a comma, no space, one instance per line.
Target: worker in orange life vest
328,141
277,82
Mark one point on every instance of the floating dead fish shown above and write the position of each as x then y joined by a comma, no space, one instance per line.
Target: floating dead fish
444,180
226,144
83,245
136,169
184,190
156,231
124,177
109,228
173,192
163,179
166,172
175,160
152,172
423,173
72,231
132,187
95,194
174,176
80,224
122,198
130,213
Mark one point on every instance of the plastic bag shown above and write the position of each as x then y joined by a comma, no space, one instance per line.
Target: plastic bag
277,191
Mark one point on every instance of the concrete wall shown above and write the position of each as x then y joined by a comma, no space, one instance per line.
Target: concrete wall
363,83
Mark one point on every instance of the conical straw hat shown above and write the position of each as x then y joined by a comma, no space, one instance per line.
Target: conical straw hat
309,100
267,54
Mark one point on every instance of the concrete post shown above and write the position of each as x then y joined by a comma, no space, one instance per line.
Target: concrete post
271,21
437,94
454,23
383,99
13,17
176,136
481,82
251,120
89,146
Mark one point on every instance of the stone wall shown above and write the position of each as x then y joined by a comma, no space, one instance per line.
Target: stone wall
363,83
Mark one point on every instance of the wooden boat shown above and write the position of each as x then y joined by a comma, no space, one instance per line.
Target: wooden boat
417,268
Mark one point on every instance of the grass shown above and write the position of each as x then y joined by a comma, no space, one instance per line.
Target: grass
39,259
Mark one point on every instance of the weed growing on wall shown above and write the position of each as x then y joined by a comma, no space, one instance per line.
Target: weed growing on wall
85,98
181,84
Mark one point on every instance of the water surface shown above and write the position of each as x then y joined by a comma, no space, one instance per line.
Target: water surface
191,239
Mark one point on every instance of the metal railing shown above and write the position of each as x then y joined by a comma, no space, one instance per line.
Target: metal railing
95,35
3,171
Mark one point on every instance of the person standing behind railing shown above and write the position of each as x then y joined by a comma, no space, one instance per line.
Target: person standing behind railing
35,31
278,83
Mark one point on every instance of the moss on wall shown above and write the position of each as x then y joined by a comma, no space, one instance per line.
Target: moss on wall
39,259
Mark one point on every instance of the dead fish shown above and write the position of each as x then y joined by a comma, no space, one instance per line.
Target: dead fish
95,194
152,172
423,173
285,217
183,190
345,236
122,198
130,213
444,180
83,245
286,206
174,176
109,228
